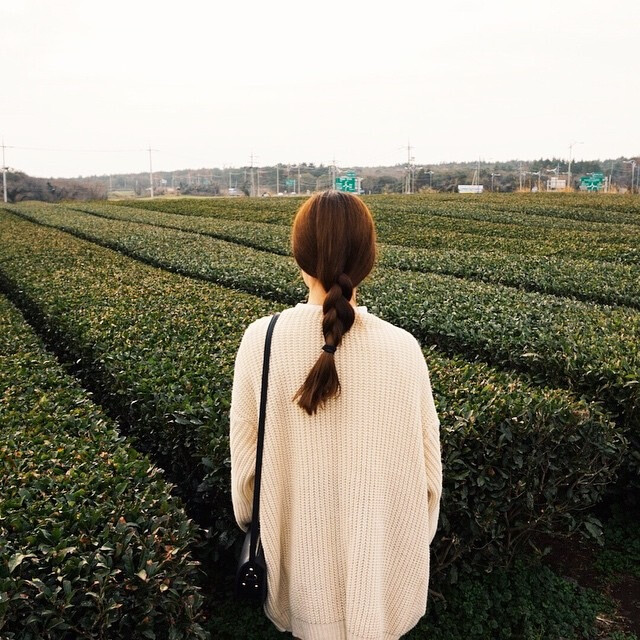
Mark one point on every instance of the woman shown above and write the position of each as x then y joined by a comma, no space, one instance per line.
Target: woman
351,468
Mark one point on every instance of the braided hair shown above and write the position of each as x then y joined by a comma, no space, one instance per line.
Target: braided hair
334,240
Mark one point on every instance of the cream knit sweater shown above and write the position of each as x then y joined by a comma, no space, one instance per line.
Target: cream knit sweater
350,497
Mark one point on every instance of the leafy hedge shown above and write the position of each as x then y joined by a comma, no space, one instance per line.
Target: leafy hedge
578,212
412,221
534,216
92,545
602,282
413,216
160,350
558,208
604,208
558,341
259,235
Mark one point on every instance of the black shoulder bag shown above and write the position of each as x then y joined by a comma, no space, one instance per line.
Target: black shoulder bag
251,576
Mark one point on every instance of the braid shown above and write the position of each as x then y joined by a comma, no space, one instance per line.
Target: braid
338,312
322,382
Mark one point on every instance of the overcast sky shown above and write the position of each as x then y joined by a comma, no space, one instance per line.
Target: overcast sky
88,86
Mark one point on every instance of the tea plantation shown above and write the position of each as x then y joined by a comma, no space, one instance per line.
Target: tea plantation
116,364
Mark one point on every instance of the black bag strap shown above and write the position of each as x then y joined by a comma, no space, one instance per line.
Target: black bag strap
255,520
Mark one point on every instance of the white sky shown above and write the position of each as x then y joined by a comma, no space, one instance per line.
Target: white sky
87,86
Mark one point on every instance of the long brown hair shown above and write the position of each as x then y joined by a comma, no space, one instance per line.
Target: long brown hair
334,240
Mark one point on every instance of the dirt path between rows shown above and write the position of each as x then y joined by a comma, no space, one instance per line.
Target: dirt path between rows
573,559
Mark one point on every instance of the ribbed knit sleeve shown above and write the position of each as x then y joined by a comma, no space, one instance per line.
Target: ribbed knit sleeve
432,452
243,419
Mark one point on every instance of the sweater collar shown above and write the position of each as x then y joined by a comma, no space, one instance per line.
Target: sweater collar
306,305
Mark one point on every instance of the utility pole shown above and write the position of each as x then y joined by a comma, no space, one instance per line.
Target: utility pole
408,176
253,186
430,172
555,171
520,170
231,174
536,173
633,171
4,173
278,179
299,181
569,169
476,174
150,172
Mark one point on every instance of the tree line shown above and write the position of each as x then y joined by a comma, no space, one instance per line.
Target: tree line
309,177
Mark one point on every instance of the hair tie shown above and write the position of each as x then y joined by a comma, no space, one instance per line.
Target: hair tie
329,348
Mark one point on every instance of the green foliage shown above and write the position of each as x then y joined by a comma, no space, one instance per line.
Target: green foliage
91,540
557,341
524,603
239,621
594,279
586,208
160,350
518,456
622,551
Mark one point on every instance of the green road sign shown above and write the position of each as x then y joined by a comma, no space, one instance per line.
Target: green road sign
593,182
290,182
347,183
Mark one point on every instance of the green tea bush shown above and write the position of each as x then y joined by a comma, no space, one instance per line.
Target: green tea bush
92,544
527,602
524,602
591,280
557,341
451,223
160,350
519,208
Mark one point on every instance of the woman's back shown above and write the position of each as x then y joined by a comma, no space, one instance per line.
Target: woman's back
350,495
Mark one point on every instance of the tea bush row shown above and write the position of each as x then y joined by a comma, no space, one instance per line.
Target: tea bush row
401,222
414,218
577,212
559,208
609,208
160,348
91,540
557,341
601,282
